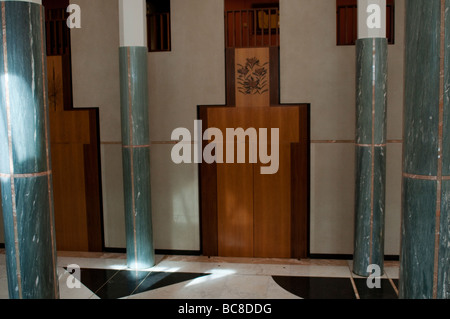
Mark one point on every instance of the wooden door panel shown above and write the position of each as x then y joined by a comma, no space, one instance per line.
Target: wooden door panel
246,213
70,204
272,209
276,205
75,168
235,209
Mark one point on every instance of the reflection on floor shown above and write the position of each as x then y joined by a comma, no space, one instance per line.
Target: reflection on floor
105,276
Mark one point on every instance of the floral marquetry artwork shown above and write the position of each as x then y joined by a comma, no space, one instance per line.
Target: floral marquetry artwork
252,76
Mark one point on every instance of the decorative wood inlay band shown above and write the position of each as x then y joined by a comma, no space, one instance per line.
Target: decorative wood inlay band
152,143
371,145
135,146
440,148
353,142
10,148
332,141
393,285
312,142
48,173
170,142
426,177
130,127
355,290
47,149
372,177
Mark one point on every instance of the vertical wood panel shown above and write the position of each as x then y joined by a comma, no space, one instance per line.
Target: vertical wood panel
69,198
300,181
235,209
272,209
92,179
75,161
274,75
208,199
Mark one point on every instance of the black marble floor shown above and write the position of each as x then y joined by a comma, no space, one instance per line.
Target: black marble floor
106,276
113,284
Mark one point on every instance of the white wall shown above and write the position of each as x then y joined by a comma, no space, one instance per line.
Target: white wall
96,83
191,74
315,70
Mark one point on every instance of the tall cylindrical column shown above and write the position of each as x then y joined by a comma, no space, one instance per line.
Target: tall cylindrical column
135,133
425,252
371,78
25,164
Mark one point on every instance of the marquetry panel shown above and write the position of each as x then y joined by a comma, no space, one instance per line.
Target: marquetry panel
252,77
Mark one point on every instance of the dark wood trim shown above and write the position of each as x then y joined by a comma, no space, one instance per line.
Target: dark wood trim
178,252
115,250
300,188
93,185
172,252
208,198
266,5
66,60
331,256
274,62
55,4
230,76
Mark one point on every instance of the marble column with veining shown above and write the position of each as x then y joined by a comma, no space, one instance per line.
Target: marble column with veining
25,163
133,55
425,246
370,172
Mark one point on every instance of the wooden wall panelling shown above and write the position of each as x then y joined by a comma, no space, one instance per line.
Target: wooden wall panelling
69,197
235,210
274,53
300,187
272,211
248,4
272,193
92,169
230,77
234,189
75,162
208,198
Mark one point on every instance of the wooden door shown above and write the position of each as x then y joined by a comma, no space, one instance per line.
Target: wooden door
246,213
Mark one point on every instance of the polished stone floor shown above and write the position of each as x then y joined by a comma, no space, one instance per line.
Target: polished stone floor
105,276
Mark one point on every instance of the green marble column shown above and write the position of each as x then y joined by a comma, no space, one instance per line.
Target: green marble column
425,251
371,78
136,156
25,164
